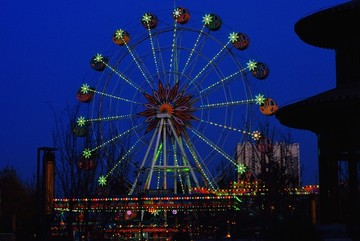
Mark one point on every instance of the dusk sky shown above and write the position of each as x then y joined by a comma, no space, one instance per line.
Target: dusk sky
46,47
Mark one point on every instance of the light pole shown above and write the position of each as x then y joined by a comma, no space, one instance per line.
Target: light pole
45,188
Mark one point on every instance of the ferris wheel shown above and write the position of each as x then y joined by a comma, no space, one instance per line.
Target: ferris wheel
172,98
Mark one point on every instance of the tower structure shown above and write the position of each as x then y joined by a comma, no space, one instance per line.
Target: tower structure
333,115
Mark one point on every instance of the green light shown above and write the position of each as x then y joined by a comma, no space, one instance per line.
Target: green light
119,34
260,99
233,37
85,89
87,153
207,19
98,58
158,151
102,180
251,65
146,18
241,168
81,121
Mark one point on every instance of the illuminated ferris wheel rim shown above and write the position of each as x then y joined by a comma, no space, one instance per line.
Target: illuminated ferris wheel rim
179,74
164,109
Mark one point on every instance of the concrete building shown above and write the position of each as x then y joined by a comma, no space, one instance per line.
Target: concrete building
260,157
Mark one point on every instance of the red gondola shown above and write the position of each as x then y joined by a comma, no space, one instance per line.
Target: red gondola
269,107
181,15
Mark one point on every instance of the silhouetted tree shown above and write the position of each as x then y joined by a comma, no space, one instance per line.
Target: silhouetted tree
77,176
17,205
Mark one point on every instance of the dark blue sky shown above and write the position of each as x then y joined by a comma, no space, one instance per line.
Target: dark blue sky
45,48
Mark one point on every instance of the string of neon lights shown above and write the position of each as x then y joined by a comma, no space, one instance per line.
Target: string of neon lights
225,104
173,47
158,154
259,100
87,152
226,79
176,161
226,127
85,88
81,121
130,150
212,145
99,58
209,62
203,173
184,156
193,49
117,97
153,49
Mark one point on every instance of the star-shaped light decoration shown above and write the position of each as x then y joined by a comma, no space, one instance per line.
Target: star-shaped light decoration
207,19
98,58
256,135
102,180
233,37
170,104
251,65
81,121
177,12
87,153
260,99
241,168
84,89
146,18
119,34
155,212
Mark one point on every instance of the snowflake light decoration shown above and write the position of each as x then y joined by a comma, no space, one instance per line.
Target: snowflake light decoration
81,121
241,168
119,34
98,58
233,37
207,19
85,88
102,180
87,153
260,99
177,12
251,65
256,135
146,18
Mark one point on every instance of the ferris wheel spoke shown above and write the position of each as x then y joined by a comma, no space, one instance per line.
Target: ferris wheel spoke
225,104
118,97
142,164
98,58
193,49
138,65
158,132
210,62
178,173
81,121
184,155
126,155
258,100
227,127
88,152
227,80
205,173
173,56
213,146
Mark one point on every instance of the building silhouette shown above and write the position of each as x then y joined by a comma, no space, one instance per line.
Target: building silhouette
333,115
260,157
